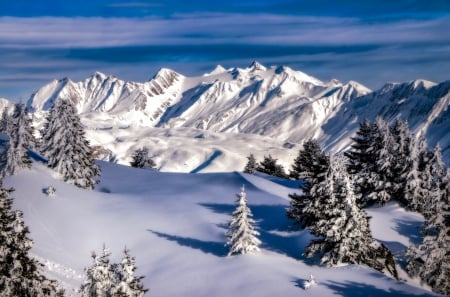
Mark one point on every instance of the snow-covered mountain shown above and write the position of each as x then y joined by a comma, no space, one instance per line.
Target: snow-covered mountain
253,100
286,105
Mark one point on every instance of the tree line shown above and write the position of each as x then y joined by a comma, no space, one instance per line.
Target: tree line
385,162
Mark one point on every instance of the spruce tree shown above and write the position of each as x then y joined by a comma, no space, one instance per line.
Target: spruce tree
430,260
382,177
101,277
362,159
21,139
250,167
242,236
269,166
106,279
342,227
65,146
141,159
402,159
4,120
311,165
418,181
20,275
129,284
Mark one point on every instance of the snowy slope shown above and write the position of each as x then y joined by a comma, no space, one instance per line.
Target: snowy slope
174,224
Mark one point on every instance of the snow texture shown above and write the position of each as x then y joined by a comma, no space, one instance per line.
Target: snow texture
175,224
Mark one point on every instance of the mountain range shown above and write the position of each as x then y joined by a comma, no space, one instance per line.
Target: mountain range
277,105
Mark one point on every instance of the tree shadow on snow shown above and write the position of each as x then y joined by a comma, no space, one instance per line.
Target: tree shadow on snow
208,247
410,229
276,231
300,283
355,289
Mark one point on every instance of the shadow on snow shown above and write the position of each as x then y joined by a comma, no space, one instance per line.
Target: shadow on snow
276,231
355,289
208,247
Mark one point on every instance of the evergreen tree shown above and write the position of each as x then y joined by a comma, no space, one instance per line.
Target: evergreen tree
129,285
242,236
418,181
342,227
65,145
362,159
381,178
250,167
402,161
21,139
4,120
102,278
269,166
141,159
20,275
430,260
311,165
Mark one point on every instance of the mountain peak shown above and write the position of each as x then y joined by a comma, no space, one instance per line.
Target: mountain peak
255,65
217,70
99,75
166,73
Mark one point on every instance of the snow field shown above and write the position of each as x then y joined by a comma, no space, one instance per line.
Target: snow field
175,224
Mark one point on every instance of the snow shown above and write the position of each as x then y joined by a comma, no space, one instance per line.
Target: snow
175,224
274,101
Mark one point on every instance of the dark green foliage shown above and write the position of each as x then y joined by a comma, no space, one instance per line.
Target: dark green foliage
141,159
341,226
65,146
21,139
269,166
381,159
251,165
311,165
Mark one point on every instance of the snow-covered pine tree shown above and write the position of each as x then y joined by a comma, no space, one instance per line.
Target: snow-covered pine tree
20,275
430,260
242,236
21,139
311,165
402,161
250,167
129,285
141,159
4,120
65,146
362,159
436,171
382,177
418,180
269,166
342,227
101,277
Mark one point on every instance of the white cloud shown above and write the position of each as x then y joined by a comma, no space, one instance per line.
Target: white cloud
215,29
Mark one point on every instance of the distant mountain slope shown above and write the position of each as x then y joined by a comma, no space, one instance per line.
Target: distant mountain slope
424,104
277,101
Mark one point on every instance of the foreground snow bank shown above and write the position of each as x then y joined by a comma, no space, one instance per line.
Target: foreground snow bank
175,224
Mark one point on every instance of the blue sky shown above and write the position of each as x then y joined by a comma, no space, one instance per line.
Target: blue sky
372,42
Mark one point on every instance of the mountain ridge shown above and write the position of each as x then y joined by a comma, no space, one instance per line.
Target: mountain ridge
275,101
